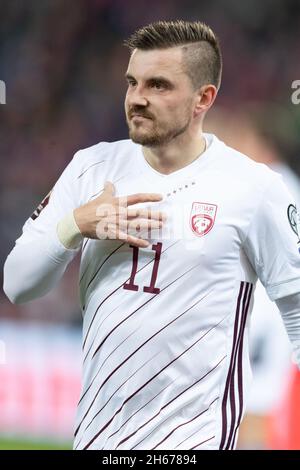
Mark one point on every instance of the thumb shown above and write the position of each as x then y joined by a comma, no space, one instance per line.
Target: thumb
109,188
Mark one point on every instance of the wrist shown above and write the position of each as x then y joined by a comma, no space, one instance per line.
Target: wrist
68,232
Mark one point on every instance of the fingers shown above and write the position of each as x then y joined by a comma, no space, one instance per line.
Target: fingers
109,188
137,225
139,198
138,242
109,232
126,230
119,213
146,214
118,222
135,241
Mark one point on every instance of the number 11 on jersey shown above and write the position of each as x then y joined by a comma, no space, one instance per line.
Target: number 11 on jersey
130,285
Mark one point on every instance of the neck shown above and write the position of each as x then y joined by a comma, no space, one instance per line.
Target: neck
176,154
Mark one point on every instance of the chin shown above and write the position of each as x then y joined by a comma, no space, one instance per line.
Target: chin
147,142
138,137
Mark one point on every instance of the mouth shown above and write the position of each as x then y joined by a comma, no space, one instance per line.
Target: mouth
138,116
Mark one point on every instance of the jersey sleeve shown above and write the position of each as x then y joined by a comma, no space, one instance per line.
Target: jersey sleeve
38,259
272,243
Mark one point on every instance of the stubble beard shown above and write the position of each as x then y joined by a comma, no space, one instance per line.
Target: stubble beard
158,136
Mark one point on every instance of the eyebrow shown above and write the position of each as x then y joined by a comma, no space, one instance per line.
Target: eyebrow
158,78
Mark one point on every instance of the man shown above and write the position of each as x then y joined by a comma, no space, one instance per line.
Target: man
165,314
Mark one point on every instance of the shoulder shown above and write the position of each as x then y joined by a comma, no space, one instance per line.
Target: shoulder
239,167
102,153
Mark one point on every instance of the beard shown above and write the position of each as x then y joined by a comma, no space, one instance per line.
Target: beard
157,133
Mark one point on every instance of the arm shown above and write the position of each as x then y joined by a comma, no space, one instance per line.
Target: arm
289,308
32,269
39,259
272,246
52,237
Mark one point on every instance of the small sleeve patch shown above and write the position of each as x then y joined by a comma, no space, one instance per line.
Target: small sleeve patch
41,206
294,220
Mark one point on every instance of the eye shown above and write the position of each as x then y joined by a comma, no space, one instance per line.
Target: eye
157,85
131,82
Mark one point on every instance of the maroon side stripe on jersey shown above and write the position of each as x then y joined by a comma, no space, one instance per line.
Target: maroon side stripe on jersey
244,287
238,355
240,373
224,402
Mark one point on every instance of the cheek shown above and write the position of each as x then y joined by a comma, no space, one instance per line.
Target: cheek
165,109
173,112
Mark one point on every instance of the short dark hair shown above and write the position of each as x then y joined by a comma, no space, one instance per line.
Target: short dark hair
202,57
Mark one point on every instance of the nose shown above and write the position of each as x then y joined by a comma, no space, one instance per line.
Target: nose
136,97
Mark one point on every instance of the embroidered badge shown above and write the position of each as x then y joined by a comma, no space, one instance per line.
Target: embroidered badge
202,218
294,219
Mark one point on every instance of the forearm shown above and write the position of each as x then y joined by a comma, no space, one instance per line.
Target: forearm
33,268
290,311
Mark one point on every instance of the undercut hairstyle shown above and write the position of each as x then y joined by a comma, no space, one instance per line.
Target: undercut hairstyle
202,59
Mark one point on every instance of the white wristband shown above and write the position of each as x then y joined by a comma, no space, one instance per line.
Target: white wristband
68,232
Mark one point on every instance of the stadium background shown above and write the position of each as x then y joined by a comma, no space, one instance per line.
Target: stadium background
63,63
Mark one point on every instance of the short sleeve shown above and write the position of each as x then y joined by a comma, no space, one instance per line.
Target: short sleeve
272,244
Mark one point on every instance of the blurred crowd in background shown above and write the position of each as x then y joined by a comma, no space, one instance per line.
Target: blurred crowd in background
63,63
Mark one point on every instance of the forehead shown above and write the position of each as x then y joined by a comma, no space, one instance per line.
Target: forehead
166,62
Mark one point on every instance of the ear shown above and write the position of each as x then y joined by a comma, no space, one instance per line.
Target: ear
205,98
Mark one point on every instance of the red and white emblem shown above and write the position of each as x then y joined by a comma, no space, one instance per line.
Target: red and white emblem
202,218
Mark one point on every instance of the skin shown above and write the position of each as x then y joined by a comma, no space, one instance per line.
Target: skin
164,112
165,115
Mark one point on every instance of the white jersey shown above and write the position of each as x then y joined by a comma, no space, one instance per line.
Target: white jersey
165,344
270,349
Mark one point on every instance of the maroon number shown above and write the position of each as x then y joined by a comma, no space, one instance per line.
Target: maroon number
150,289
131,285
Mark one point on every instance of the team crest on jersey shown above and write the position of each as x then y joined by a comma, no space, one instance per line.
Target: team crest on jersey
202,218
41,206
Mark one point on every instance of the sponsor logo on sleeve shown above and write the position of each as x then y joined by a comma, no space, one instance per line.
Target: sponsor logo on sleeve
202,218
41,206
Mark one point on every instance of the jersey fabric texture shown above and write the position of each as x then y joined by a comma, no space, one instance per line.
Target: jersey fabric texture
165,328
